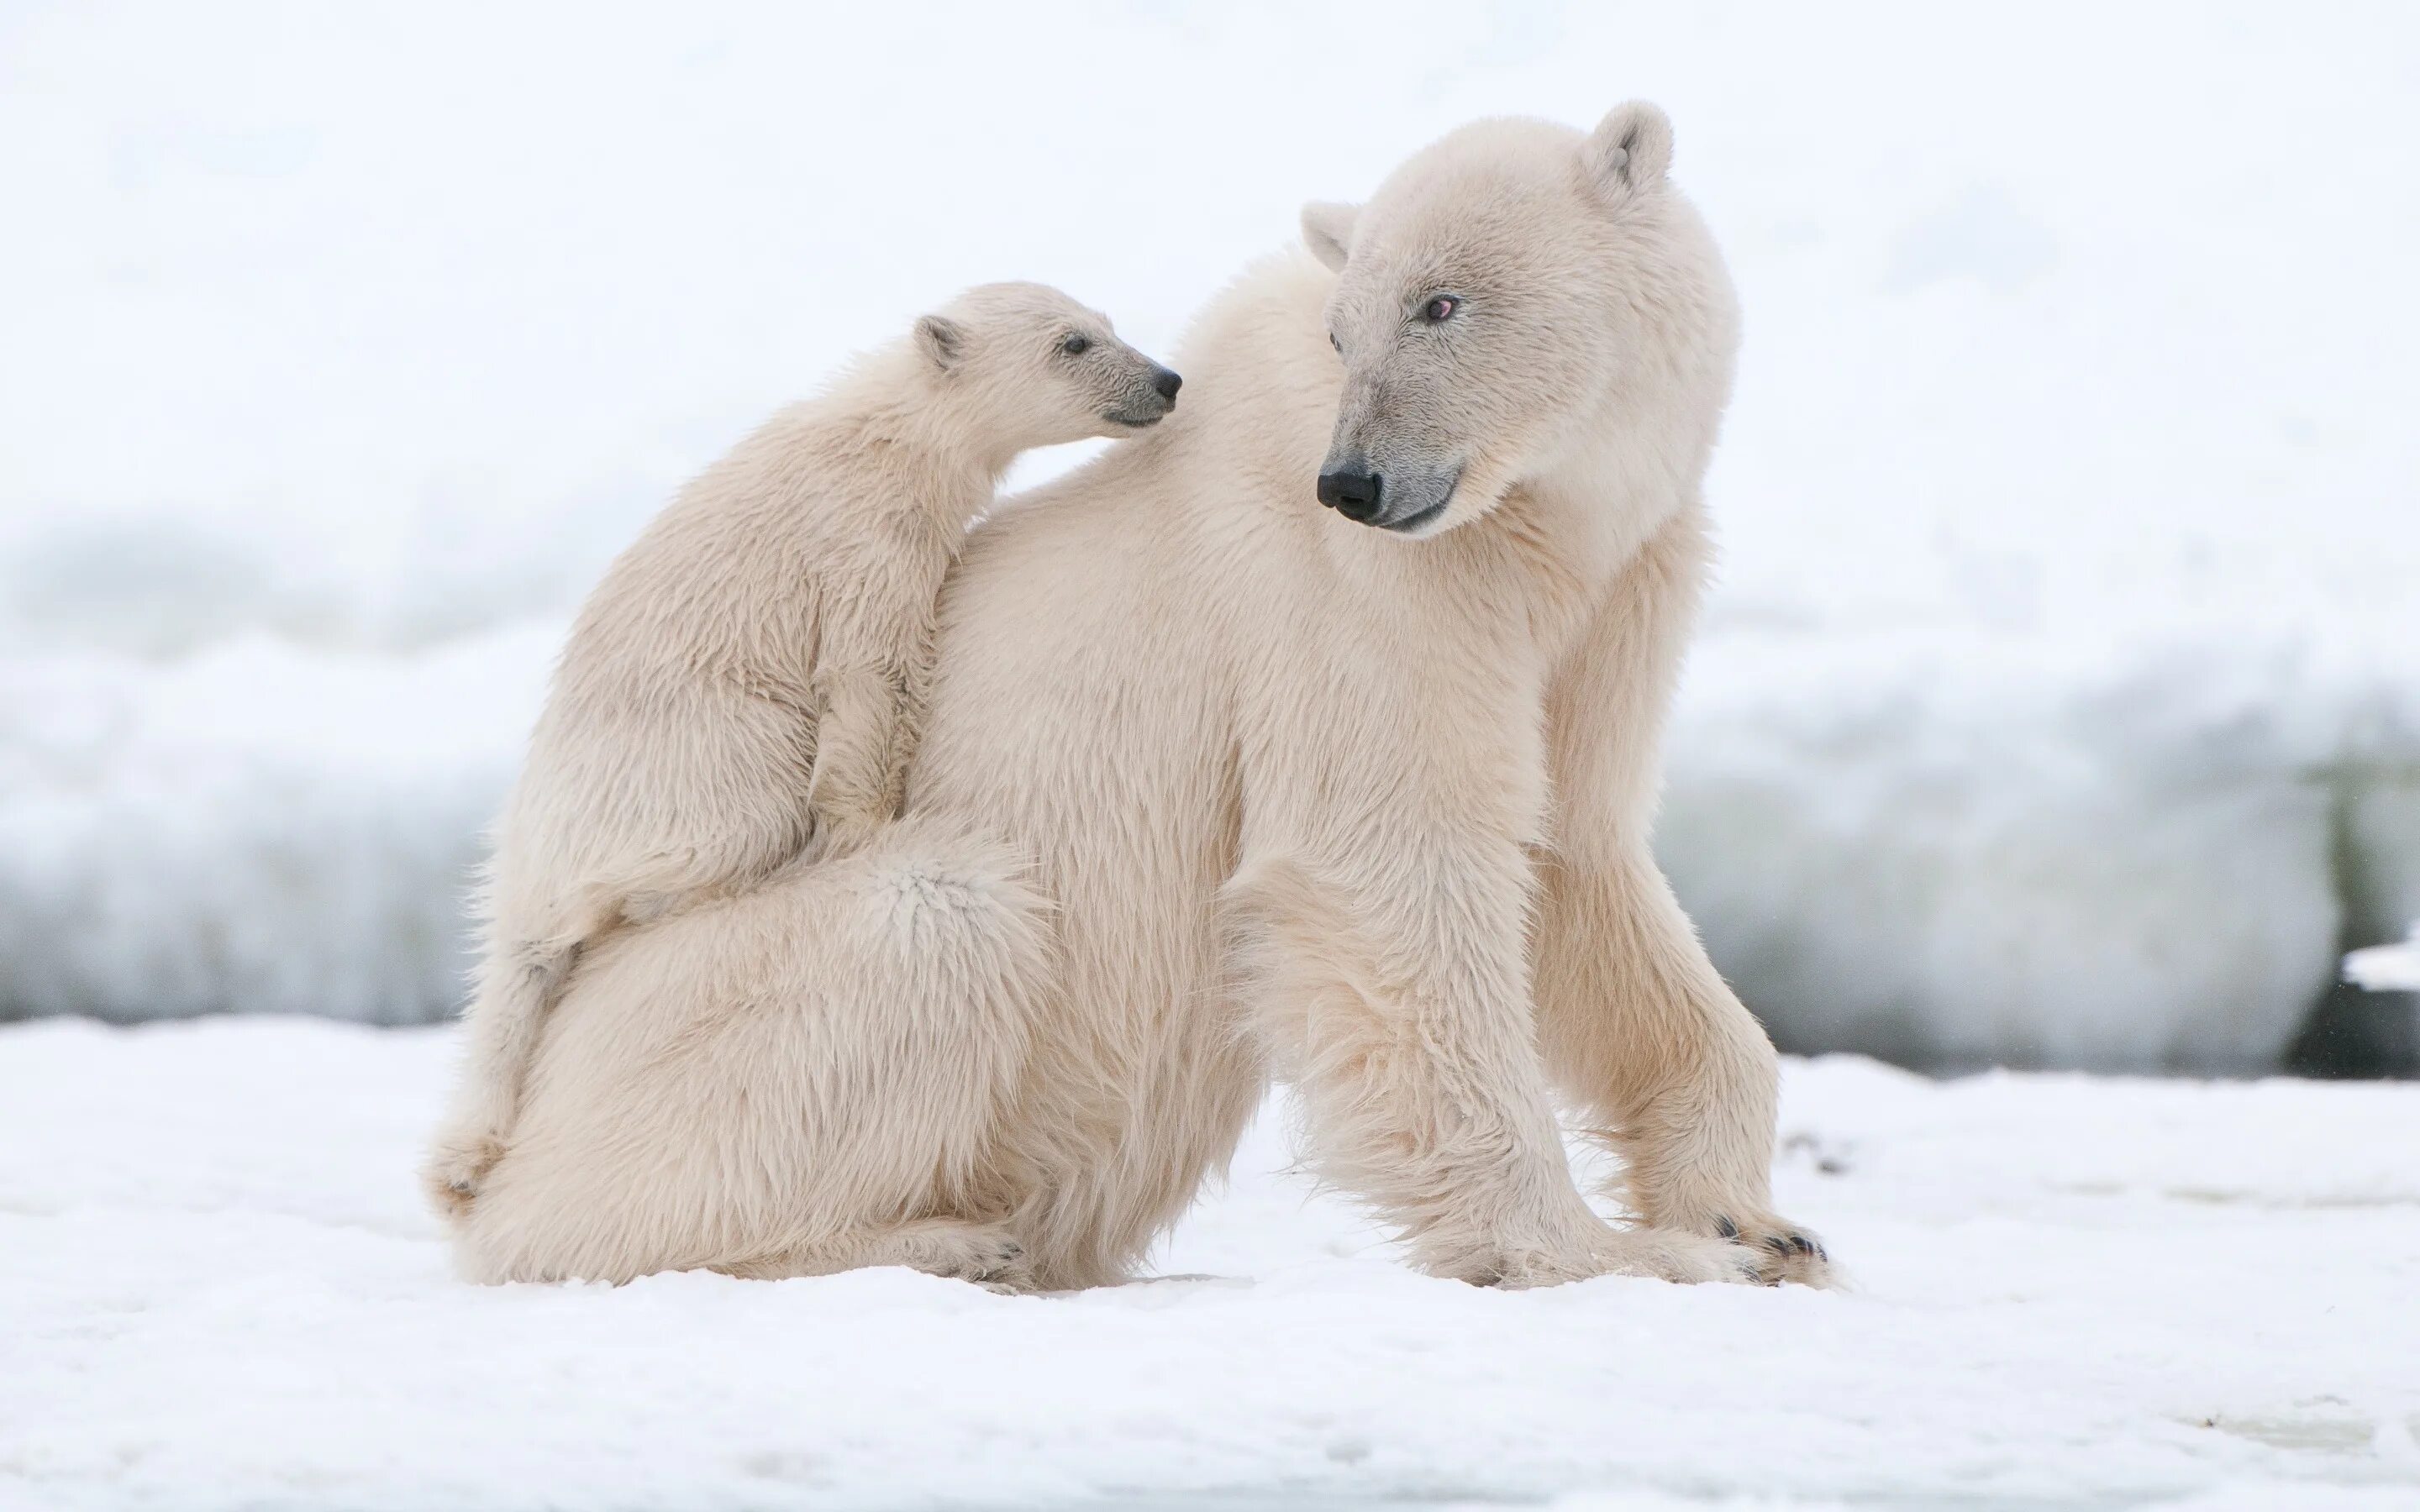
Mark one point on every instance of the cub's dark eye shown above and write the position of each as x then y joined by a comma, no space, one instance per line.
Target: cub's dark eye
1440,309
1337,344
1076,346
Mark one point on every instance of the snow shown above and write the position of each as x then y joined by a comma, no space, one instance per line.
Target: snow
2386,968
2058,704
2069,1292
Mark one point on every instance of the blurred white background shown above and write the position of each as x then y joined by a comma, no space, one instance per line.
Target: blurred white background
2060,704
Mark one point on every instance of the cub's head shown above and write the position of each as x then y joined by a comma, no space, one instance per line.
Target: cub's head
1035,369
1502,304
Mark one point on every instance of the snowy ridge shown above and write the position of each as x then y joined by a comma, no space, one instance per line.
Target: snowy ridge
2069,1293
257,827
1945,853
1962,849
2387,968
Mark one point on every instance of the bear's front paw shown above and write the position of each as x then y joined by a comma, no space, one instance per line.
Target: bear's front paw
1782,1251
1656,1254
1669,1255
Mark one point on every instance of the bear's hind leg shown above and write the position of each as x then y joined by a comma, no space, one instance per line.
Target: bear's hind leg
503,1024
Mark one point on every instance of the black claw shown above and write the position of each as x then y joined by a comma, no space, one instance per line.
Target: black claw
1777,1243
1804,1245
1726,1227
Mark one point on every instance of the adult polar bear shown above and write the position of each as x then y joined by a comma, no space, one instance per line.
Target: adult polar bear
1219,785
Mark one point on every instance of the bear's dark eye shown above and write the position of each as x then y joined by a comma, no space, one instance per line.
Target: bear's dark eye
1337,344
1440,308
1076,345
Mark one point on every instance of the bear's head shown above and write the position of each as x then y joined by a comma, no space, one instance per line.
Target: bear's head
1029,366
1520,303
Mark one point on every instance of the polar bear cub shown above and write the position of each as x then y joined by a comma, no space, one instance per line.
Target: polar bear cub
745,685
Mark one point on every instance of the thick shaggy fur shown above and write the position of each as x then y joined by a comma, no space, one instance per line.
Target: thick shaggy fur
1218,786
746,682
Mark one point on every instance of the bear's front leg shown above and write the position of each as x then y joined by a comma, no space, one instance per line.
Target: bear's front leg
1636,1026
1677,1074
1399,1007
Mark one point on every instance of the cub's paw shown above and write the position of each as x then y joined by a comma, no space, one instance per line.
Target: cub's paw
460,1161
1782,1251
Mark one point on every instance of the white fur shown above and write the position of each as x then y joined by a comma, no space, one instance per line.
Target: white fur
747,681
1217,785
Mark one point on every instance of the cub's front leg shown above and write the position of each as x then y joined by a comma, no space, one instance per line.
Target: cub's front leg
864,733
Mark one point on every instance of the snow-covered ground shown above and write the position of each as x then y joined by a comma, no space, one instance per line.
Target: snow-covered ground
2060,702
2070,1292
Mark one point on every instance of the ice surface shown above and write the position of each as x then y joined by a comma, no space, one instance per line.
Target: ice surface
2070,1293
2060,701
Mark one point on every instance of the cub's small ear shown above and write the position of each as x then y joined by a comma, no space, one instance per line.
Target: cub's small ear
1327,230
941,340
1630,149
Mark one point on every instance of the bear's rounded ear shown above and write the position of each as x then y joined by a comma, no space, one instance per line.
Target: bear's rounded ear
1630,149
1327,231
941,340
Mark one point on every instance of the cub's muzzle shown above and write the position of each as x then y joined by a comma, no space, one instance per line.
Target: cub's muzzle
1149,402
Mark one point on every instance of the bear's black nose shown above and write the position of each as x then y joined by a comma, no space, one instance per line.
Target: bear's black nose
1351,494
1167,383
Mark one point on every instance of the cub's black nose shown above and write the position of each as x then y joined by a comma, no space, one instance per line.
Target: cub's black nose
1167,383
1353,495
